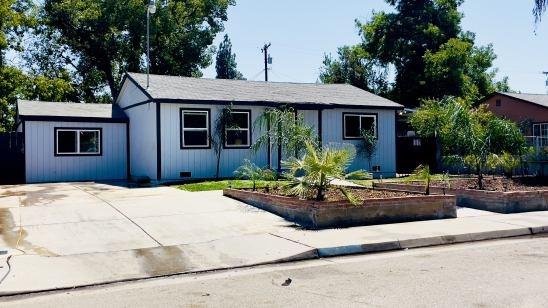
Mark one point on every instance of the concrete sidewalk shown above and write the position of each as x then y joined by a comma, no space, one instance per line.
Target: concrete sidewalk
92,234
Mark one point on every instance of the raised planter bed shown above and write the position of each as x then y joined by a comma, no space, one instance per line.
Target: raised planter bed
494,201
335,214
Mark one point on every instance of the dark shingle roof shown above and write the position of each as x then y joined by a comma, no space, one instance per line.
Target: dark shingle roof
36,109
538,99
201,89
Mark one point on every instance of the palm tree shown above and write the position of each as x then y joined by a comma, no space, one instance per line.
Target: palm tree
310,177
540,8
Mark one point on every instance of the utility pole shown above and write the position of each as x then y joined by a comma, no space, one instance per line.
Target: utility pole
267,60
546,73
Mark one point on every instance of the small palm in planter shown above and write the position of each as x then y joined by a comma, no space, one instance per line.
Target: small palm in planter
422,173
252,172
310,177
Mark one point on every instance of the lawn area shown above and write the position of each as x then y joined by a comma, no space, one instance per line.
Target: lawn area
222,184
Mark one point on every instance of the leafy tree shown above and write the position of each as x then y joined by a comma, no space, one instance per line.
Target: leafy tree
15,18
472,134
310,177
368,145
282,128
109,37
252,172
15,84
226,61
354,66
460,69
424,43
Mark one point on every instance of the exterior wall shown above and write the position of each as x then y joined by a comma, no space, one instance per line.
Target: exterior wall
517,110
385,155
130,94
142,140
201,162
41,165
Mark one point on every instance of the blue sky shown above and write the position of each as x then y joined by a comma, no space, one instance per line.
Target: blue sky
302,31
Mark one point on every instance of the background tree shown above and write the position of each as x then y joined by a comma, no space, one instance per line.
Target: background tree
354,66
226,61
430,54
108,37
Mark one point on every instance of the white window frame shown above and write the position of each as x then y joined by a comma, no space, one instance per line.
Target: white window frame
360,115
78,131
542,138
195,129
247,130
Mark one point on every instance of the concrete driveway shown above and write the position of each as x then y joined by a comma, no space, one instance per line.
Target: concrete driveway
75,218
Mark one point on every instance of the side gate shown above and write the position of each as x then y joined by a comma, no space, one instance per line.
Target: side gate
12,158
414,151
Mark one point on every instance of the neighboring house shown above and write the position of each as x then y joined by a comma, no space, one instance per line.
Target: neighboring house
168,127
530,111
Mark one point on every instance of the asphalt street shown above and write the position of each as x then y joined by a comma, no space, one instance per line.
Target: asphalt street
502,273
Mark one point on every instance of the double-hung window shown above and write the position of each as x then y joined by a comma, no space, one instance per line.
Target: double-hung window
238,129
195,128
354,124
77,141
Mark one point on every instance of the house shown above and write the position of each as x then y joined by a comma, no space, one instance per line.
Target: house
530,111
162,132
73,142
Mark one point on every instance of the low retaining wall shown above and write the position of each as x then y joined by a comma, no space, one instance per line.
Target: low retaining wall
494,201
319,215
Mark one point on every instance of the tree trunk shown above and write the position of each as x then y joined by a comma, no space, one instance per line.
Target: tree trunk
218,163
480,177
321,188
427,187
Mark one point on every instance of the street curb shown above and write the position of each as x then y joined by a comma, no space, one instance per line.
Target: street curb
327,252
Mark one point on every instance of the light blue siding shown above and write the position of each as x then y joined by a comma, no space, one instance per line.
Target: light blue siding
385,156
142,140
41,165
201,162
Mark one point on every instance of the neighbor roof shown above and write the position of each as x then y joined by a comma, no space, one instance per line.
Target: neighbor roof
243,91
538,99
38,109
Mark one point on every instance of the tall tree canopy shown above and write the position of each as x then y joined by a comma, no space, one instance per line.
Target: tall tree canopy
106,38
425,45
354,66
225,63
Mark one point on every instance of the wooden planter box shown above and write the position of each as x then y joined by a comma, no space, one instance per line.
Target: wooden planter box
493,201
320,215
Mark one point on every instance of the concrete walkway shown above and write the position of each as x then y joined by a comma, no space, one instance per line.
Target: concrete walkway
76,234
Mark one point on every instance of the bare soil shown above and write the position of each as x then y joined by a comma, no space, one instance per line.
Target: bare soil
334,194
499,183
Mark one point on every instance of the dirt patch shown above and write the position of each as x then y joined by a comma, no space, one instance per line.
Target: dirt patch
334,194
499,184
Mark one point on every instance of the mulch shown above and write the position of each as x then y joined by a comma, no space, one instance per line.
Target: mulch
499,183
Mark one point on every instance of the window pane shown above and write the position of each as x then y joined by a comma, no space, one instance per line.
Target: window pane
89,142
195,120
352,126
236,138
240,120
66,141
195,138
536,130
368,123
